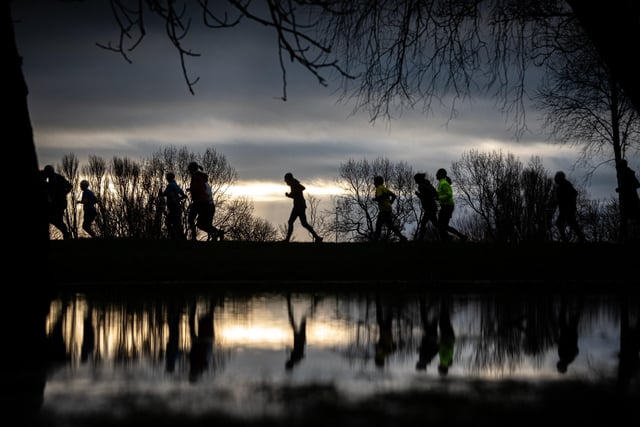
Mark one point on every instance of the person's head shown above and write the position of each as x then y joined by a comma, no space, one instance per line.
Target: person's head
378,180
442,173
288,177
84,184
48,170
193,167
170,176
559,177
419,177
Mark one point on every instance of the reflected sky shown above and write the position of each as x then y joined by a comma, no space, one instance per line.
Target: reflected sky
243,354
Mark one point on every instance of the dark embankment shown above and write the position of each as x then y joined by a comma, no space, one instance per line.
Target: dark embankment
472,266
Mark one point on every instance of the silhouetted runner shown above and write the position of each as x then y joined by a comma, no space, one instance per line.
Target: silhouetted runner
175,197
445,196
385,198
428,196
628,185
88,200
566,200
202,209
299,209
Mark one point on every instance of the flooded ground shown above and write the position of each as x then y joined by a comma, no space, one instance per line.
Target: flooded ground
374,358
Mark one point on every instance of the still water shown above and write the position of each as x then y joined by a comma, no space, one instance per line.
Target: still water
250,357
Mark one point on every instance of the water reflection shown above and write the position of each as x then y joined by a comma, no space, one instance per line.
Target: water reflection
202,335
567,340
386,344
447,337
224,354
299,336
429,344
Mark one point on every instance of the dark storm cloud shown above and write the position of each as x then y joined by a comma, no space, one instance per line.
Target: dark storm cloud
269,162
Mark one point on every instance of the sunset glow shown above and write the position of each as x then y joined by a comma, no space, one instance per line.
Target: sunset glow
264,191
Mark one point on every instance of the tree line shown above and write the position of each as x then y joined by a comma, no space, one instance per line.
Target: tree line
498,199
129,202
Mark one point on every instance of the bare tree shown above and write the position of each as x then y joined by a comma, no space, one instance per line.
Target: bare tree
614,31
319,219
294,25
511,201
403,53
128,189
537,189
126,200
589,110
399,54
239,223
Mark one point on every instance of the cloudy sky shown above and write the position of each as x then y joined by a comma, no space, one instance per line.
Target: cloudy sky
89,101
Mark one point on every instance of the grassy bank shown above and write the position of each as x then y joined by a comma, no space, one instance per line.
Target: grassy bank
586,266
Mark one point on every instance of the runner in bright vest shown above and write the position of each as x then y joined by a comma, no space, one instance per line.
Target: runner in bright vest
445,197
385,198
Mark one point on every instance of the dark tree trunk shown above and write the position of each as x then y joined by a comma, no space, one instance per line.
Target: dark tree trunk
27,290
614,29
31,227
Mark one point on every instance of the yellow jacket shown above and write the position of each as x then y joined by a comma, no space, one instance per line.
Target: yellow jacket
445,192
384,197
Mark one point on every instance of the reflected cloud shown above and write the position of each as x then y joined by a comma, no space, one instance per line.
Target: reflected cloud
253,336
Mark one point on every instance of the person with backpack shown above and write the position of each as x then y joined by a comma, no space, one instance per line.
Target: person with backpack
428,196
385,198
56,189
